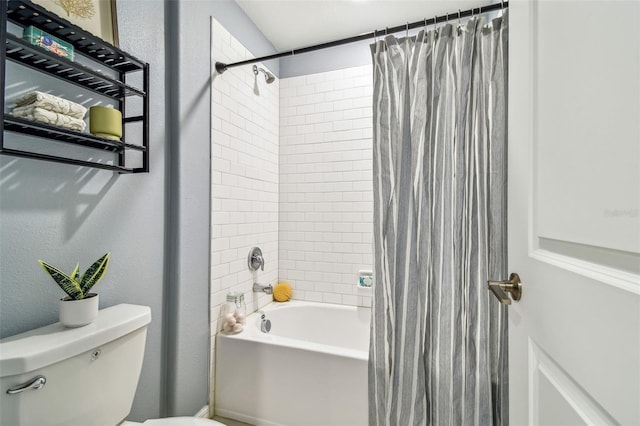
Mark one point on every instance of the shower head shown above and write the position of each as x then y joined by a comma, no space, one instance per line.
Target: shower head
268,77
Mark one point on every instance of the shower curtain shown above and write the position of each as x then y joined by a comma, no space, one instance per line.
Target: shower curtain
438,353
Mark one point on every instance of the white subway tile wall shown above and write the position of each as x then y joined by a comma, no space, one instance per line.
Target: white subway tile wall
291,172
326,185
244,177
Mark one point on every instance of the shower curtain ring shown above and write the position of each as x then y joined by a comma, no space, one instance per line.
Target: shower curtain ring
407,27
458,17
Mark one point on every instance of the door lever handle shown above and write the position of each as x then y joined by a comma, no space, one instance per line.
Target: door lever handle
502,289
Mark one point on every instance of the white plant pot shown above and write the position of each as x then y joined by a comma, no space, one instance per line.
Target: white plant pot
76,313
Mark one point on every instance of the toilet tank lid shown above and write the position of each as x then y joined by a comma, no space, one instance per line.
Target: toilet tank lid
47,345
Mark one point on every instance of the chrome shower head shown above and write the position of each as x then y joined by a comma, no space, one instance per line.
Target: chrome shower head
268,77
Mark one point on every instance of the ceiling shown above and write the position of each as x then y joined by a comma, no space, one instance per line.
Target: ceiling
291,24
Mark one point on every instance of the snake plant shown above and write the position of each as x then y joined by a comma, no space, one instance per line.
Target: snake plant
76,286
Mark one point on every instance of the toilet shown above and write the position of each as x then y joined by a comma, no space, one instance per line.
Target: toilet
85,376
175,421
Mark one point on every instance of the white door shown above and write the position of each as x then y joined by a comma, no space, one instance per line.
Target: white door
574,218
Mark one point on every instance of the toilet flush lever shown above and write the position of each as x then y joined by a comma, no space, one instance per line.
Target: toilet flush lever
36,383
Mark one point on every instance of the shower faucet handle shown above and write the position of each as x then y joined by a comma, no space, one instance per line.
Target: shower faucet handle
260,260
255,259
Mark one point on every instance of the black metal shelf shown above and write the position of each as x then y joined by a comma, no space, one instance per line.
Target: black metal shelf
32,128
39,59
66,160
25,13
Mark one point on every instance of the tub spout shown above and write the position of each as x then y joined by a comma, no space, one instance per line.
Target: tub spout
263,288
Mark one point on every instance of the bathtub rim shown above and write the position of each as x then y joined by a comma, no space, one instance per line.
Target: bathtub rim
252,331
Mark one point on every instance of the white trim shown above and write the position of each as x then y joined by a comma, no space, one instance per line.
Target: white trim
244,418
613,277
532,383
582,404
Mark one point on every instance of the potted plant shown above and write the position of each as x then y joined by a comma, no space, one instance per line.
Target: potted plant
80,307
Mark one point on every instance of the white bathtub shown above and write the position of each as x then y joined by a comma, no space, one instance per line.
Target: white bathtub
311,369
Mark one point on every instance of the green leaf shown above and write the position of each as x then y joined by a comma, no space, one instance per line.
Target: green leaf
76,273
70,286
94,274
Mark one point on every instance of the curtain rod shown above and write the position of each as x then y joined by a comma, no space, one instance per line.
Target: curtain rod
222,67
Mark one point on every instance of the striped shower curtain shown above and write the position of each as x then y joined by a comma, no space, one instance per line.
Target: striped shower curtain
438,353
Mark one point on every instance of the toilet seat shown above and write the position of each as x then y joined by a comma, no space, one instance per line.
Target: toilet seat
176,421
182,421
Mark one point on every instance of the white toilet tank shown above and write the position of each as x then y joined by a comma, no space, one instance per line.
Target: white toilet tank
91,372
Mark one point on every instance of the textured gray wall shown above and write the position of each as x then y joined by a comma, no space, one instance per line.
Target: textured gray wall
187,344
189,71
64,214
335,58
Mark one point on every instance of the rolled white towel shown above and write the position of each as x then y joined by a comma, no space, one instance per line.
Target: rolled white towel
52,103
42,115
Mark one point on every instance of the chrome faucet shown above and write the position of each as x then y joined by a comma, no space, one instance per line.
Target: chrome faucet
255,259
259,260
263,288
255,262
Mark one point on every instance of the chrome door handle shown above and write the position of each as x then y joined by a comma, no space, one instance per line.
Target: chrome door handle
511,286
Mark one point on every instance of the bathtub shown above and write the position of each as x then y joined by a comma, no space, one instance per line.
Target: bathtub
311,369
